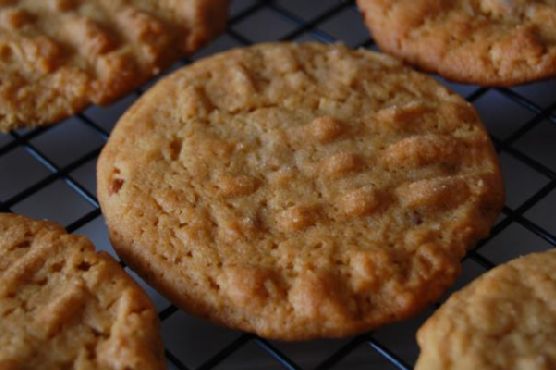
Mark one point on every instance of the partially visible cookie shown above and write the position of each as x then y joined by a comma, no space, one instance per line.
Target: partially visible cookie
299,190
504,320
484,42
65,306
58,56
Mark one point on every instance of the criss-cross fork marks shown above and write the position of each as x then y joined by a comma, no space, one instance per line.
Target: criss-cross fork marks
58,56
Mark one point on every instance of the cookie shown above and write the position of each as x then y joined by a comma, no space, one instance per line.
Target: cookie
58,56
484,42
503,320
299,190
65,306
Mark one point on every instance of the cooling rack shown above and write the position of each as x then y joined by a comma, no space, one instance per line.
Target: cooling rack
50,173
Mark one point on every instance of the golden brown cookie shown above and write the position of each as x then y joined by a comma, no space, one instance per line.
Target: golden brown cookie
299,190
484,42
65,306
504,320
58,56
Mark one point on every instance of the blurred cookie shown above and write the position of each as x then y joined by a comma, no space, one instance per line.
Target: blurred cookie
506,319
58,56
65,306
486,42
299,190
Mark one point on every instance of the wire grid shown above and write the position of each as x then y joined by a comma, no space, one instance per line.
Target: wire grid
534,172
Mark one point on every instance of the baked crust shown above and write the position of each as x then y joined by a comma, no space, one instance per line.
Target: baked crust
483,42
65,306
299,190
58,56
503,320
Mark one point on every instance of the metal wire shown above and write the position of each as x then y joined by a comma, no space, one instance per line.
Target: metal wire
311,27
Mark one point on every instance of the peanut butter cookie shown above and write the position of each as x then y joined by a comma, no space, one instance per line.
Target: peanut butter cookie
504,320
65,306
58,56
484,42
299,190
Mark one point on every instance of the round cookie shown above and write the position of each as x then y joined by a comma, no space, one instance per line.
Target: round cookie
299,190
58,56
504,320
484,42
65,306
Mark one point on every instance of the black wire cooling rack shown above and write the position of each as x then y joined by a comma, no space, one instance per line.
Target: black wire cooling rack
40,166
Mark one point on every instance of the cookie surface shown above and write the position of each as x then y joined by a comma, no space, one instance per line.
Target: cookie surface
58,56
504,320
484,42
65,306
298,191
